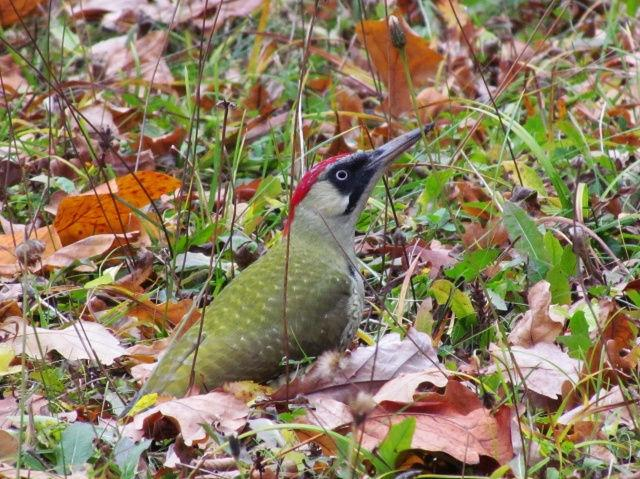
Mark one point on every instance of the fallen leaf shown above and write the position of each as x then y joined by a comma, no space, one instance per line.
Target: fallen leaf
160,145
422,61
366,368
544,368
431,102
467,192
476,236
9,264
436,256
12,11
160,314
8,407
617,341
81,340
228,9
119,62
455,423
539,324
84,249
221,410
139,273
404,387
98,211
12,80
607,407
7,470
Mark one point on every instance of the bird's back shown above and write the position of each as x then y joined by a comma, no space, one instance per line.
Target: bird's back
243,335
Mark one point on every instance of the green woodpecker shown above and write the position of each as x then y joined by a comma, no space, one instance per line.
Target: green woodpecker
243,330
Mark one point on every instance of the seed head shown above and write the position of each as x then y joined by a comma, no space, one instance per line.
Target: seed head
361,406
29,252
398,38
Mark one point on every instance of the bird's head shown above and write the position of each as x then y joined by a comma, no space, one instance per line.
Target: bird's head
332,194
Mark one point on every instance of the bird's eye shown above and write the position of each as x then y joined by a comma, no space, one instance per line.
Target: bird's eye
342,175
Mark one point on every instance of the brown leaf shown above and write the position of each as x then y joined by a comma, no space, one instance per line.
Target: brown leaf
422,61
11,11
221,410
544,367
119,62
161,145
431,103
436,256
608,407
468,192
80,340
99,212
404,387
142,268
160,314
476,236
618,341
539,324
12,79
455,423
9,264
98,116
366,368
228,9
82,249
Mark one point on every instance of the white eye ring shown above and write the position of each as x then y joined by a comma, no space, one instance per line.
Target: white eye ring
342,175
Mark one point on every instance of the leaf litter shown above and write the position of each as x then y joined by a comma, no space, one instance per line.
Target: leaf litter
548,322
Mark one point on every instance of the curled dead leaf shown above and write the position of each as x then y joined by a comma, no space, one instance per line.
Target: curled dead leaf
80,340
366,368
543,368
540,323
185,416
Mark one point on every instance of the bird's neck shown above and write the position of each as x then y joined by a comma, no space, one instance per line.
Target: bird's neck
312,228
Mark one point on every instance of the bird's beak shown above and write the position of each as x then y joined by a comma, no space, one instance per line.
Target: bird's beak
383,156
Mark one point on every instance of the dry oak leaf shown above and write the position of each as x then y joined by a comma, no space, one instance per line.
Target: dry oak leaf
228,9
80,340
10,471
116,56
405,387
539,324
83,249
12,11
477,236
12,78
544,367
99,211
421,61
366,368
221,410
54,256
169,312
610,407
9,264
455,423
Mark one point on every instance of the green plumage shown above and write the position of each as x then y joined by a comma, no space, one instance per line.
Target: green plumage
243,334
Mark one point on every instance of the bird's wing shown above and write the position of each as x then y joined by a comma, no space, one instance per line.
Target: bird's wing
243,334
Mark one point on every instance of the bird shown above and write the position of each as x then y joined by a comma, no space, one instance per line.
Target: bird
243,335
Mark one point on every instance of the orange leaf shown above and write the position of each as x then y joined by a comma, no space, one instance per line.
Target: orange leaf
9,262
422,61
152,313
11,11
99,211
